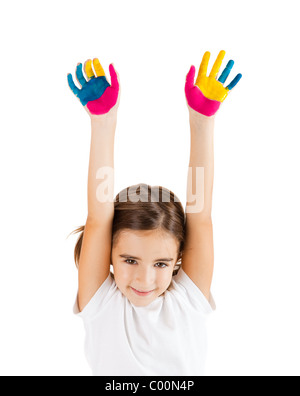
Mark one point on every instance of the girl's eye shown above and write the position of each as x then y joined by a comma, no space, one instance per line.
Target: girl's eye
158,265
161,265
132,261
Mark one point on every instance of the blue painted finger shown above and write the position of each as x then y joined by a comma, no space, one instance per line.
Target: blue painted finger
73,87
80,76
226,72
234,82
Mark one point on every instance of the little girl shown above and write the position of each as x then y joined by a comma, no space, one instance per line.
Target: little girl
145,265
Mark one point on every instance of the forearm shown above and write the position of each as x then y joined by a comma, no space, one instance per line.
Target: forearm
101,168
201,167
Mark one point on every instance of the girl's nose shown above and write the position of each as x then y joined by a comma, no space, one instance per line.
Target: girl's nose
144,277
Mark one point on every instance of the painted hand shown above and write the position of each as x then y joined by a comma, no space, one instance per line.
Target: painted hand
208,93
96,93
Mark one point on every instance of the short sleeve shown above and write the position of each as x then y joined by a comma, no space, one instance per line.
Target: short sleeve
193,293
100,298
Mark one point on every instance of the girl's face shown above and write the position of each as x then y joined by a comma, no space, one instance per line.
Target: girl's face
143,263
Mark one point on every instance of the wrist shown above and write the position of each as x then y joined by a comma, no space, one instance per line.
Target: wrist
200,120
199,116
108,120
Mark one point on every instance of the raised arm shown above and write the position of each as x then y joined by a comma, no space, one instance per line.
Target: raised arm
101,168
203,99
101,101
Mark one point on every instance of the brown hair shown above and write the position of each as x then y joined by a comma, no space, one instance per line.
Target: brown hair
142,207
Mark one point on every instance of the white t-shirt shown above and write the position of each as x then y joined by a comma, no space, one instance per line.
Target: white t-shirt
167,337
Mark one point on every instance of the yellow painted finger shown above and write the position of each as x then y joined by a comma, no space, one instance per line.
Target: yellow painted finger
203,67
88,69
98,68
216,67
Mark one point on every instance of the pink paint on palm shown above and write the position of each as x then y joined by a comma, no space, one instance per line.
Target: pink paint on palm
109,98
195,98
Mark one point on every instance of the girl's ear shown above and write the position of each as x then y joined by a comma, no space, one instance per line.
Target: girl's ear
177,264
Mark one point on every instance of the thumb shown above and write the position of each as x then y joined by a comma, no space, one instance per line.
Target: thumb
113,76
190,77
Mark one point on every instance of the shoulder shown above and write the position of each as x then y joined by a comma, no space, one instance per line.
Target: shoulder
182,287
100,299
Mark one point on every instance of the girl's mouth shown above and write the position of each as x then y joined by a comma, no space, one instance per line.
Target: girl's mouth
141,293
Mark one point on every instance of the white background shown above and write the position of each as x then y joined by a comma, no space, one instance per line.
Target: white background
44,151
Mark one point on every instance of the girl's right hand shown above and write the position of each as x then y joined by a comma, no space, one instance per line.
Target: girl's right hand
96,94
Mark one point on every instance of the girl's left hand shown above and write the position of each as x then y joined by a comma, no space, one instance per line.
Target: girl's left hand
208,93
96,94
